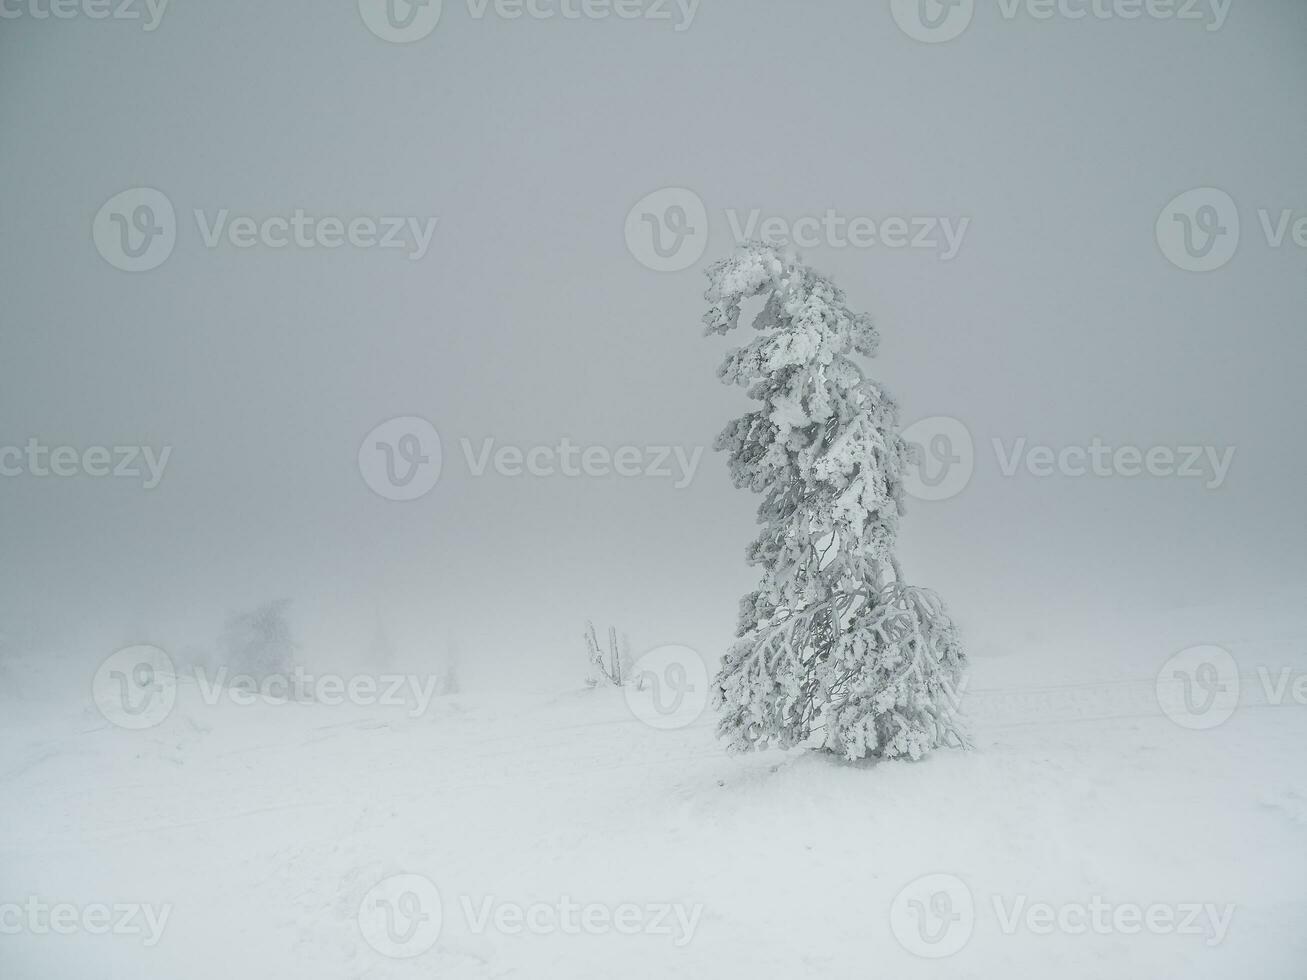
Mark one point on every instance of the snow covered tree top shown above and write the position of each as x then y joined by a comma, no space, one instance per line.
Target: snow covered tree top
824,446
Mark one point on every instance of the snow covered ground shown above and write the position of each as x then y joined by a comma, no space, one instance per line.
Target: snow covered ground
566,838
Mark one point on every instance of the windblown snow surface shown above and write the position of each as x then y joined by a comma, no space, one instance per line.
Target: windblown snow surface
1159,851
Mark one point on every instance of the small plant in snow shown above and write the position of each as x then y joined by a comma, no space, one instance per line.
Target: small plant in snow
833,648
615,667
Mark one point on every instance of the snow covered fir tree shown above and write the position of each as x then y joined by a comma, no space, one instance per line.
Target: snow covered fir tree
833,649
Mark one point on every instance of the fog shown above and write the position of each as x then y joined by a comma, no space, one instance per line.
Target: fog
1053,317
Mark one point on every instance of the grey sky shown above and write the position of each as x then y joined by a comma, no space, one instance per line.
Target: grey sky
528,319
